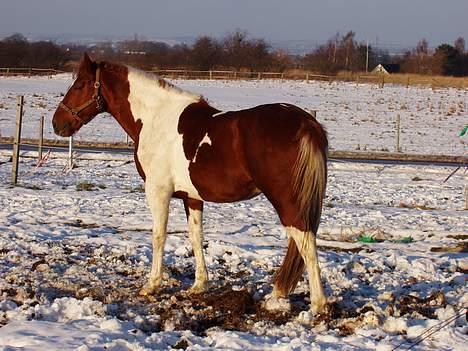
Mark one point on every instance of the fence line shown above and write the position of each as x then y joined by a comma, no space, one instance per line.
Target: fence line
9,71
380,79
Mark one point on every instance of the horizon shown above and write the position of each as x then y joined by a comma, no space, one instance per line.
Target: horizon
293,46
392,26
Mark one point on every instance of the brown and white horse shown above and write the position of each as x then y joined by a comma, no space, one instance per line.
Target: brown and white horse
187,149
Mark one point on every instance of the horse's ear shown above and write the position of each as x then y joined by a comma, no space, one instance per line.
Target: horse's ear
86,64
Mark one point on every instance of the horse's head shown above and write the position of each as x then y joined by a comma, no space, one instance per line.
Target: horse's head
82,102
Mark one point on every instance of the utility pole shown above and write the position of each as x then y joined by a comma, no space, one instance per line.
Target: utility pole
367,56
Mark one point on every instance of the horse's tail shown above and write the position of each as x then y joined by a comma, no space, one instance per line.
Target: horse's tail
309,183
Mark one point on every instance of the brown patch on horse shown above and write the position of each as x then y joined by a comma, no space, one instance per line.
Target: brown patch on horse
218,168
193,205
116,76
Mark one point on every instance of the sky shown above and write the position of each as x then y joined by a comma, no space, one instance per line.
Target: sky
391,23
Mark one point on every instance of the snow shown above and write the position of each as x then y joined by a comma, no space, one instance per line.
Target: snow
73,257
357,116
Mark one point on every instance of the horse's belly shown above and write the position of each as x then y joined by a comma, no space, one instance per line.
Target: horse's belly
221,182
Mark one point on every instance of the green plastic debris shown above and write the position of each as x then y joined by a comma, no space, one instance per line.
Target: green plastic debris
464,130
404,240
368,239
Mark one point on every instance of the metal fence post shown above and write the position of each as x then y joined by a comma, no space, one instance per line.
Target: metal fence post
70,152
17,141
397,131
41,138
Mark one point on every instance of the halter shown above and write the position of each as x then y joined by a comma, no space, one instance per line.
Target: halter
96,98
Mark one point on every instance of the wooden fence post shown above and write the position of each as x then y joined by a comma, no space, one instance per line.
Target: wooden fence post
466,197
70,152
17,141
41,138
397,131
313,113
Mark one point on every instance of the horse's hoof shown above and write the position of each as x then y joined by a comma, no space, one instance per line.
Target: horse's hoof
320,309
198,289
277,304
147,290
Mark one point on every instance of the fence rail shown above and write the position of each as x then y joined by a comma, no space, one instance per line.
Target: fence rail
380,79
7,71
86,146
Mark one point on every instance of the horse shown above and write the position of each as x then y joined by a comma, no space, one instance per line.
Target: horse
187,149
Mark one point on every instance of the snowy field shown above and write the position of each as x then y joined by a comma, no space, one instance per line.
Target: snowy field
75,246
357,117
75,249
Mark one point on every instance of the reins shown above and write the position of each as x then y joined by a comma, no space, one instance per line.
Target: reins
96,98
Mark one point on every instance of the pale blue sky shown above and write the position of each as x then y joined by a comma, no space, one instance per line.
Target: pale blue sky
393,22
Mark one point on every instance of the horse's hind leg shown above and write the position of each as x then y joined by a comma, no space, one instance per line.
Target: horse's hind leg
194,211
306,244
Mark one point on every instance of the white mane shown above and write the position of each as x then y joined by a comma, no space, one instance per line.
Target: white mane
154,80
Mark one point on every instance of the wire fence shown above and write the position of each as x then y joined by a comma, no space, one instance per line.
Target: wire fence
28,72
359,78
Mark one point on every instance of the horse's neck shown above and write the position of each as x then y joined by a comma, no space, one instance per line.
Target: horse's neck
140,96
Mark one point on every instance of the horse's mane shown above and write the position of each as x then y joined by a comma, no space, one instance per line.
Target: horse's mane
153,77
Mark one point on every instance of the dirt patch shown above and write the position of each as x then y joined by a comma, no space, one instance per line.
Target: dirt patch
115,278
459,248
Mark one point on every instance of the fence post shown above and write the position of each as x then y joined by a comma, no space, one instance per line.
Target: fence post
307,77
41,138
397,131
466,197
70,152
211,75
17,141
259,75
382,83
407,82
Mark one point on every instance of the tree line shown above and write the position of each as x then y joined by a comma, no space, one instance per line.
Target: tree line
239,51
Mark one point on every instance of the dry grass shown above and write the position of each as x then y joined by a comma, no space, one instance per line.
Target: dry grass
407,79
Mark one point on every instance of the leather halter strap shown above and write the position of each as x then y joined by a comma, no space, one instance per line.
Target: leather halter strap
96,98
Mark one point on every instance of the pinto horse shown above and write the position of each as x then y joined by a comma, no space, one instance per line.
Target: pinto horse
187,149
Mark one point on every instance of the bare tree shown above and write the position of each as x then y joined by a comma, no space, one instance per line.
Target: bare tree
460,45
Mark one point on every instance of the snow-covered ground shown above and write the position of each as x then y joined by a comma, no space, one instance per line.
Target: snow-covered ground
357,116
75,249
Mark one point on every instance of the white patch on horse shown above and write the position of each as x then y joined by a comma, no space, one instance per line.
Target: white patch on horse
218,114
206,140
160,149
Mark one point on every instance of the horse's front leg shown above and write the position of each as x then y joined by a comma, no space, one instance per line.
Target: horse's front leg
194,211
158,201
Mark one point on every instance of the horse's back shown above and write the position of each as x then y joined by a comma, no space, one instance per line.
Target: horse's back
235,155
